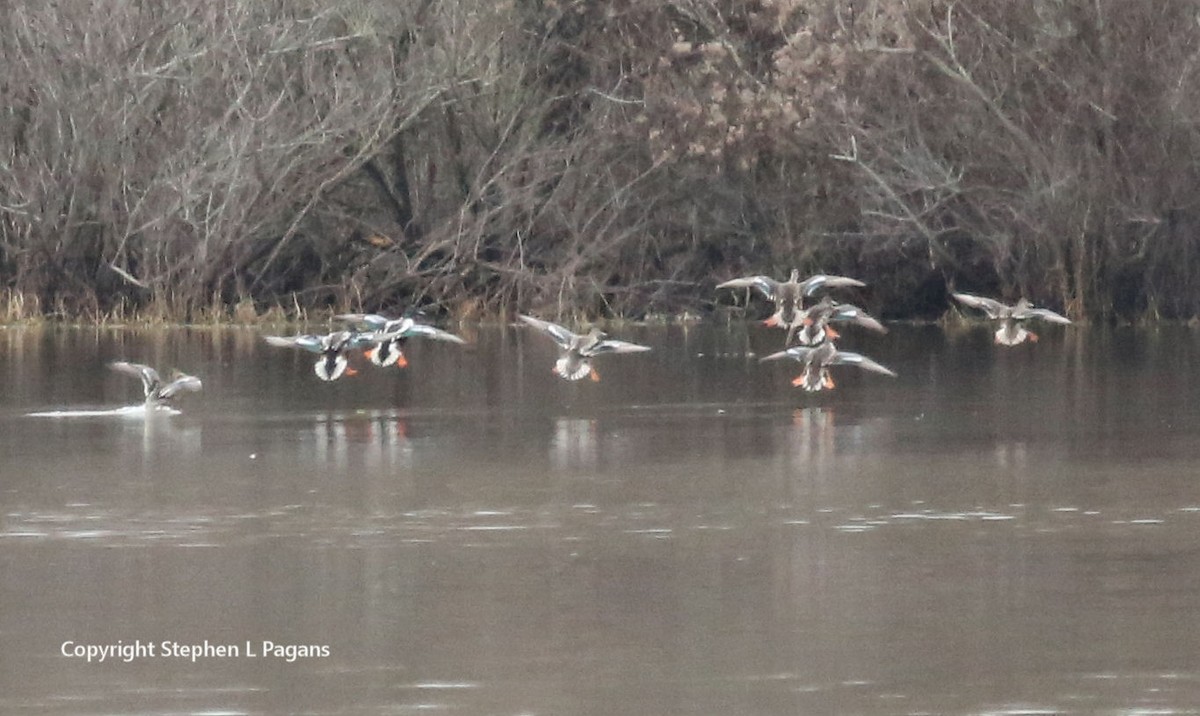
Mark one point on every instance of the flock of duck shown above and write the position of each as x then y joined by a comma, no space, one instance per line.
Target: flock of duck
810,327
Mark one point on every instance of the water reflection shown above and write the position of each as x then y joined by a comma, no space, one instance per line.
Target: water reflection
575,444
993,531
813,436
372,440
177,440
1012,456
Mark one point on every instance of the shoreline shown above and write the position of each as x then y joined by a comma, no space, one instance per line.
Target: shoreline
950,319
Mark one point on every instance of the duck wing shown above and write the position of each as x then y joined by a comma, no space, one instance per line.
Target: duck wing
765,285
854,314
181,383
609,345
799,354
563,337
1044,314
339,341
149,376
422,330
990,306
370,321
848,358
812,284
308,341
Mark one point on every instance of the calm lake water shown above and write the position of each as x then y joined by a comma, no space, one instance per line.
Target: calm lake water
994,531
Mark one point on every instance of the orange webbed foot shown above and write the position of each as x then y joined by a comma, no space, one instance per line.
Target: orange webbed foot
1033,337
401,362
798,381
827,381
369,353
351,372
772,321
831,334
594,376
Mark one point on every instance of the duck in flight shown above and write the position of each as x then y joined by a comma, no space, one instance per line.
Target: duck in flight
788,296
814,324
157,391
387,335
331,347
817,361
1011,331
576,351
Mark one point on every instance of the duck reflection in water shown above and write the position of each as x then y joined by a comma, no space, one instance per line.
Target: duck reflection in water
575,443
812,438
161,435
369,440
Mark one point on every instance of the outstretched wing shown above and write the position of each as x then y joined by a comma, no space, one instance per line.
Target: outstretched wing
848,358
423,331
339,341
992,307
609,345
765,285
308,342
181,383
561,335
370,321
796,353
812,284
1044,314
149,376
847,312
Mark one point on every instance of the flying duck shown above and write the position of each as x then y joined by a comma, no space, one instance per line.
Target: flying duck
576,351
1011,331
788,296
817,360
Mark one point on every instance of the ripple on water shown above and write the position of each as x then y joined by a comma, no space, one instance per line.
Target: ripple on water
982,515
115,528
89,523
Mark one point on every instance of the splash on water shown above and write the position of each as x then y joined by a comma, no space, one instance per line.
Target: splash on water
130,411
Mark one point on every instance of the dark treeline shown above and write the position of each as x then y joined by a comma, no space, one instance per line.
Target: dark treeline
596,157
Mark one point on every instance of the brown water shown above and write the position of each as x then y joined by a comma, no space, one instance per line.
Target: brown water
995,531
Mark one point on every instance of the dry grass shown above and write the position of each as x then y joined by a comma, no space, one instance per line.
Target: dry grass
17,307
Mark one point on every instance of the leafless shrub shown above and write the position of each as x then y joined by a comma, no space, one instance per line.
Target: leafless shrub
170,152
594,157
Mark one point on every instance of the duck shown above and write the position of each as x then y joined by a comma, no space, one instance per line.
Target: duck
1011,331
388,335
818,359
332,348
577,350
814,323
788,296
158,392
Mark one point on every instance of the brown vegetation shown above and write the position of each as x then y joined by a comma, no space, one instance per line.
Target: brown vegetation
195,159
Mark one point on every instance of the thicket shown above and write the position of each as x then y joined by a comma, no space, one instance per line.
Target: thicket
596,156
